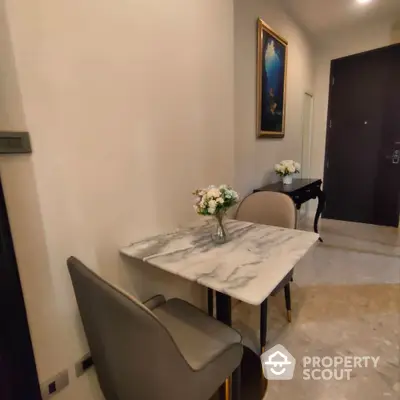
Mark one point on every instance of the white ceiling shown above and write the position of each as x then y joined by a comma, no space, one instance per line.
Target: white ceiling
318,16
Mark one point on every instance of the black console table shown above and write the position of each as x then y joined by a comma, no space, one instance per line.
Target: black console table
301,190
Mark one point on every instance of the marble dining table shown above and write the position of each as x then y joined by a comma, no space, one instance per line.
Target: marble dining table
248,267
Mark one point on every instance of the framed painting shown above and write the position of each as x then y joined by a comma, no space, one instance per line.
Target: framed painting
271,82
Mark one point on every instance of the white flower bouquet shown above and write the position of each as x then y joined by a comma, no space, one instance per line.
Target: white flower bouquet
215,200
287,167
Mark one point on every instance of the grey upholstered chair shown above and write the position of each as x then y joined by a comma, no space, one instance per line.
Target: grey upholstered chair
161,350
276,209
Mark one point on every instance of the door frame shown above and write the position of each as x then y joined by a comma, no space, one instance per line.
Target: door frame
310,133
328,117
17,344
305,210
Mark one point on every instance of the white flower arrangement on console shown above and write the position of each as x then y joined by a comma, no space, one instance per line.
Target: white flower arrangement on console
215,201
286,169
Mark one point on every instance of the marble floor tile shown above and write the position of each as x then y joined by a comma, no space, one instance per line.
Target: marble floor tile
380,240
335,265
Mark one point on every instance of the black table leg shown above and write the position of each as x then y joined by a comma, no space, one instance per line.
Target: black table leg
321,205
210,302
236,383
224,308
248,375
263,324
224,314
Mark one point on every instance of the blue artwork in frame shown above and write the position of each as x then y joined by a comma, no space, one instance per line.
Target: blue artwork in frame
271,82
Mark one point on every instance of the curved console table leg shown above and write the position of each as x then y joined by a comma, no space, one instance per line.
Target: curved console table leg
321,205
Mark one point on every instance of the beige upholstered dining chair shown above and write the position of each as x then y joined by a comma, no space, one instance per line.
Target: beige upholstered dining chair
268,208
271,208
160,350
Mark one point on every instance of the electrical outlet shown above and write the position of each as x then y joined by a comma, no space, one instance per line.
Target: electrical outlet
83,364
54,385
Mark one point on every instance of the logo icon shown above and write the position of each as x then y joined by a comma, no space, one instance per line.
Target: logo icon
278,363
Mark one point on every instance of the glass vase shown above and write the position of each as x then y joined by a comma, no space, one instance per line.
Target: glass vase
220,233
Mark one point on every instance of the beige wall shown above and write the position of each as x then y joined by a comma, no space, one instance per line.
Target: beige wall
335,45
11,110
130,108
20,187
255,158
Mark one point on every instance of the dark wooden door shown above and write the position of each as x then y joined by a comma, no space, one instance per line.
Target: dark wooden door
361,173
18,377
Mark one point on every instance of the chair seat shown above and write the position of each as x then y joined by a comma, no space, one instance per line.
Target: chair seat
199,337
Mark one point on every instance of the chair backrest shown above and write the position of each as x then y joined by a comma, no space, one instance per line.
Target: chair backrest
268,208
131,349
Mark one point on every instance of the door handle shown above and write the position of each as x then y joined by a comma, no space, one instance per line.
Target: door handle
396,157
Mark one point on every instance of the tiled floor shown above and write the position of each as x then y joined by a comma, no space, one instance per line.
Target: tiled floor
346,301
374,239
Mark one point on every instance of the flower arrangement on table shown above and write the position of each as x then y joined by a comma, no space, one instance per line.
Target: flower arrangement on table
215,201
286,169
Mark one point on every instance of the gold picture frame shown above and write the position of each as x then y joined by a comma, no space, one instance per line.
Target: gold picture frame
272,59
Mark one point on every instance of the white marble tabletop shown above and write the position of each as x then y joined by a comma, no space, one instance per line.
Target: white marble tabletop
248,267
